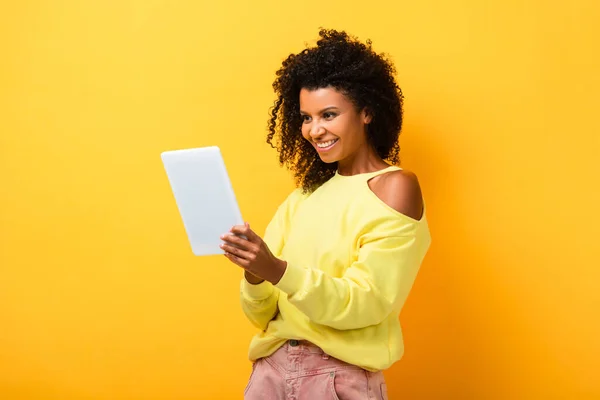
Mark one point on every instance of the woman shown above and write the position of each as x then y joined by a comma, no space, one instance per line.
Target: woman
326,285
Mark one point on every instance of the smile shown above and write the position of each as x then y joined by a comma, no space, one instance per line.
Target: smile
324,146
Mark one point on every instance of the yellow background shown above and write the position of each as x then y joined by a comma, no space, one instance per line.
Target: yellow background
100,296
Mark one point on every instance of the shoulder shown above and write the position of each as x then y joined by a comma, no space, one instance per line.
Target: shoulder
296,196
401,191
291,201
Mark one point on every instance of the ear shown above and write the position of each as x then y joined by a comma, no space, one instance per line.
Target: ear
366,116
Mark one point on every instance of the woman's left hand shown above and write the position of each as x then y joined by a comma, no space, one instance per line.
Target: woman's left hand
252,254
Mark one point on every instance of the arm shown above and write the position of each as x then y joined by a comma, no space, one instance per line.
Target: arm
259,298
379,281
372,288
259,302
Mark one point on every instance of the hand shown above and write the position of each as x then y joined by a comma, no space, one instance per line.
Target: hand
252,254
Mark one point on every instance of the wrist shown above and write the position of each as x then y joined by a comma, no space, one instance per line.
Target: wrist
281,267
252,279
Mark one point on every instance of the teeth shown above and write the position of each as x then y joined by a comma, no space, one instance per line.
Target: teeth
326,144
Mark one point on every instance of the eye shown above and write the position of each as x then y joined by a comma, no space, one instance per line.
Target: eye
305,118
329,115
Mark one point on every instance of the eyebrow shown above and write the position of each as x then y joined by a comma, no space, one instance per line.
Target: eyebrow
322,111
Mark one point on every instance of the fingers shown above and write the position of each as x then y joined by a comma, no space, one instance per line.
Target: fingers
242,254
236,241
253,237
245,231
241,245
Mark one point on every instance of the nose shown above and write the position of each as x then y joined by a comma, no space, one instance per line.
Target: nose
316,130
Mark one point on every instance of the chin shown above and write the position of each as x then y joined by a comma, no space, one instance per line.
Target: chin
330,157
328,160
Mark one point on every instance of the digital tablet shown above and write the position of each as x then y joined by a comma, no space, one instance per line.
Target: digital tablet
203,195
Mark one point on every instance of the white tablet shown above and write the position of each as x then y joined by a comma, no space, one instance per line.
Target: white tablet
204,196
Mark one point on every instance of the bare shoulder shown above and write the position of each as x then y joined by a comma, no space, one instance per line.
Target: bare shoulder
401,191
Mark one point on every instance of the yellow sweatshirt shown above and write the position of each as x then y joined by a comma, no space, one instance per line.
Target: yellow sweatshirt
351,262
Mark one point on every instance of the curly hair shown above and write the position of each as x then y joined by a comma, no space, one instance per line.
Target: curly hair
354,69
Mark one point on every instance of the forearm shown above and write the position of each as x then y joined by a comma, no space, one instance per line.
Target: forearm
259,302
373,287
341,303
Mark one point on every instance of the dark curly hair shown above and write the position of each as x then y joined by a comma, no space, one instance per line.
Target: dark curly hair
366,78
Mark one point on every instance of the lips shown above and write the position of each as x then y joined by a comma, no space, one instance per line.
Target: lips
325,146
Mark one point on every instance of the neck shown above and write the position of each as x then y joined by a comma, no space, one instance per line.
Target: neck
361,162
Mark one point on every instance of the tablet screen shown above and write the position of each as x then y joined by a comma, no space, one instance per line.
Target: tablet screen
203,195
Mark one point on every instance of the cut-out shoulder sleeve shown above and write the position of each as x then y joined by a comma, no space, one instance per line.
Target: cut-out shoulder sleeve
401,191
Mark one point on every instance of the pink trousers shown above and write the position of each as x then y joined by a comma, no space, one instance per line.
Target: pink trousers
300,370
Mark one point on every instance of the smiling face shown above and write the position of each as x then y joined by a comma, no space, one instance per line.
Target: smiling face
331,123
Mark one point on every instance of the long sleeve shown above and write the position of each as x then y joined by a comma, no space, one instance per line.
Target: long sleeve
259,302
372,288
